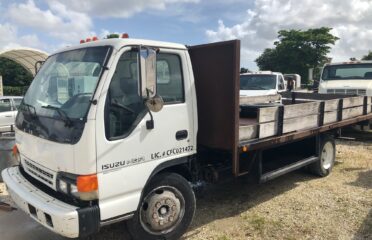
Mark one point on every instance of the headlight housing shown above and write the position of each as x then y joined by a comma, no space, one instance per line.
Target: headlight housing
84,187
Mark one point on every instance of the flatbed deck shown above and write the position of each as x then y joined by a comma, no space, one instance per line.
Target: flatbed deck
276,124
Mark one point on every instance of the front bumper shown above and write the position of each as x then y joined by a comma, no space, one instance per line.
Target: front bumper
67,220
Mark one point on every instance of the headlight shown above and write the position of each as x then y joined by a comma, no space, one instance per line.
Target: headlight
63,186
82,187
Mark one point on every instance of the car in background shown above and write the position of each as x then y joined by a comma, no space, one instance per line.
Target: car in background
8,111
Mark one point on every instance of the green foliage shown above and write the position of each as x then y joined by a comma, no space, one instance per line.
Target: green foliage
244,70
297,50
14,74
113,35
368,56
15,91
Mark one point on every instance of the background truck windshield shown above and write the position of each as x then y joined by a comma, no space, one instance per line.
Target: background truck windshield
62,91
257,82
349,71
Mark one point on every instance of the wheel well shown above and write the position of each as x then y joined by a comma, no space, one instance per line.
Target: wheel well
181,169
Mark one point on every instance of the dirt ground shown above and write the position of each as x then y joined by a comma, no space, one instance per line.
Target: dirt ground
295,206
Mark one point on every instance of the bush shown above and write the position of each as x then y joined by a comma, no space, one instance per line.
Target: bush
15,91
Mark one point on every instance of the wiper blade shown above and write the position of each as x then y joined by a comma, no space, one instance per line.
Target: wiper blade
61,113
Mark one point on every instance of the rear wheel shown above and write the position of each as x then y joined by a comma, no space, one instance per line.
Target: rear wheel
166,209
327,155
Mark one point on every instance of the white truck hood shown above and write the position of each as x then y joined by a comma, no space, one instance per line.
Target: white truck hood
346,84
252,93
79,158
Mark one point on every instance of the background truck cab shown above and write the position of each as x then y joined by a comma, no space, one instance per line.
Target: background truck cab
261,83
351,78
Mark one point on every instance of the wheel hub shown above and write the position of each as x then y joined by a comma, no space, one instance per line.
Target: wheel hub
161,211
327,155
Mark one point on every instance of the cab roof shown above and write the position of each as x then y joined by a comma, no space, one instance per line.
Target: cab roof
118,43
349,62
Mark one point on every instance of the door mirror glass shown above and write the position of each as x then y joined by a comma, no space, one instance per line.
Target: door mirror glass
155,104
148,72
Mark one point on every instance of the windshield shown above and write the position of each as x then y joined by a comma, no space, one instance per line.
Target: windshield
349,71
62,90
257,82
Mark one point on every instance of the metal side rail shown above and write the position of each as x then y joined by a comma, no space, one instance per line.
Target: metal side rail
286,169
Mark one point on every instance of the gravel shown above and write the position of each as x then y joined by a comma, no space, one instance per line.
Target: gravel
295,206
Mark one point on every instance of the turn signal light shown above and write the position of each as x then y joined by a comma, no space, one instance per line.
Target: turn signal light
87,183
15,150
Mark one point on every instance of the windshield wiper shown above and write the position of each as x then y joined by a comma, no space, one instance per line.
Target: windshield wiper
61,113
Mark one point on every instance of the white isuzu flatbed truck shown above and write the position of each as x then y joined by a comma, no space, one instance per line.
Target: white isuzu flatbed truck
126,129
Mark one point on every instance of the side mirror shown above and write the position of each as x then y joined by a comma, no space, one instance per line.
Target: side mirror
148,72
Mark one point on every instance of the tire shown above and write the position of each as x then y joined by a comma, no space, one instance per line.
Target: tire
166,209
327,155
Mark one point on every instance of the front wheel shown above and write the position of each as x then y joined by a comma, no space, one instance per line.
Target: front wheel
166,209
327,155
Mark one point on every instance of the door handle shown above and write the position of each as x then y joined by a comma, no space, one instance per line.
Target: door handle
182,134
8,116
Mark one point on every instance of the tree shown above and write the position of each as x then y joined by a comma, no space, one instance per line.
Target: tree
14,74
298,50
368,56
244,70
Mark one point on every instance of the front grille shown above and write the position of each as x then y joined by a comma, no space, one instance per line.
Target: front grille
38,173
347,91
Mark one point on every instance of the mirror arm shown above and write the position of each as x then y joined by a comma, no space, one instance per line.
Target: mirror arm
150,123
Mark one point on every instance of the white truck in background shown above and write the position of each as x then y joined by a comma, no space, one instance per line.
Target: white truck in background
347,78
261,83
351,78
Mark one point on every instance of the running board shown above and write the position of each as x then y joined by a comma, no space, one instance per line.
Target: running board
289,168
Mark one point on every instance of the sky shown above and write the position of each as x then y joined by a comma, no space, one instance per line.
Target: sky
49,25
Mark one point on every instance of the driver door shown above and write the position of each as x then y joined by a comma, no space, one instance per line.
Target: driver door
127,149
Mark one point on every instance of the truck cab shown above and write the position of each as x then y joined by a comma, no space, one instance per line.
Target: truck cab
351,78
85,134
261,83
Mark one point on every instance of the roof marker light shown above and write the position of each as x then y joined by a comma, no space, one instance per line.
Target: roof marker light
125,35
95,38
82,41
88,40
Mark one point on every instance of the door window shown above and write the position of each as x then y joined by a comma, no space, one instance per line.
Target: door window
5,105
169,78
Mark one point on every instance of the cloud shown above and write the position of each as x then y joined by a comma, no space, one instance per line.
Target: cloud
118,9
350,21
11,39
57,21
